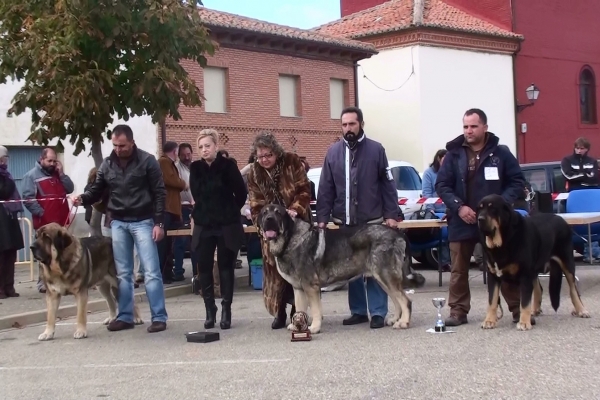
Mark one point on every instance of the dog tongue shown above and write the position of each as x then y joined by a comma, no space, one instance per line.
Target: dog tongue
270,234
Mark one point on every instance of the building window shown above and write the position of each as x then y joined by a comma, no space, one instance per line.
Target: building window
587,97
289,95
337,97
215,90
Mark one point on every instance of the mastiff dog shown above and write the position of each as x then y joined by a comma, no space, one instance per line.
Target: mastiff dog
518,248
71,265
310,258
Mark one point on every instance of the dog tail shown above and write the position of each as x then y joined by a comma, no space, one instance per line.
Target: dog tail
555,283
411,278
320,252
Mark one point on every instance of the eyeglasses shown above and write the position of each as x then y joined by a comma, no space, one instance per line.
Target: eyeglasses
264,156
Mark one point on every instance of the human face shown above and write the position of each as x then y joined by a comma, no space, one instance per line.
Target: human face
474,130
122,147
185,156
580,151
207,148
350,126
4,160
265,157
442,159
49,162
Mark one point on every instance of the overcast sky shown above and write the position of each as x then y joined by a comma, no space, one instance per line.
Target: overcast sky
297,13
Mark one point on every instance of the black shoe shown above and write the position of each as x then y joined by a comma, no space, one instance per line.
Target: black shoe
225,316
208,293
211,315
355,319
377,322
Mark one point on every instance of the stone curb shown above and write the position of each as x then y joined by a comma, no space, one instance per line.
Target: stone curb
35,317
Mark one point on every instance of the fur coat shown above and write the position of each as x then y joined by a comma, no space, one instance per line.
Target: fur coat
286,183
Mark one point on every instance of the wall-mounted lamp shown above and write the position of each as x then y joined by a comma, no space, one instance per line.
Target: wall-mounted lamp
532,93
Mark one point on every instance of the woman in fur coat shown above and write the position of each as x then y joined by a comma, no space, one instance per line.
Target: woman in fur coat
277,177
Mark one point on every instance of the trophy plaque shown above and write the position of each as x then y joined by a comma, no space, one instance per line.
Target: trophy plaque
439,302
300,332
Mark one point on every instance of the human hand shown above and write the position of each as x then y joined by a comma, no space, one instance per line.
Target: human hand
292,213
75,199
59,167
157,233
322,225
392,223
467,214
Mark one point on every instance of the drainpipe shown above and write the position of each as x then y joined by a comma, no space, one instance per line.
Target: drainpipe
515,88
356,83
163,134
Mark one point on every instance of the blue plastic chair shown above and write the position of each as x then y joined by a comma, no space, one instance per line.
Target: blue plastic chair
584,200
420,247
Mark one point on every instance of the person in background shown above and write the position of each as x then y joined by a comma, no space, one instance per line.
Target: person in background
475,166
45,187
11,237
136,205
181,243
277,177
579,169
313,192
360,164
219,193
429,178
173,185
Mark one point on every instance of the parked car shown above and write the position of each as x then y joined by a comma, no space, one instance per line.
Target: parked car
407,180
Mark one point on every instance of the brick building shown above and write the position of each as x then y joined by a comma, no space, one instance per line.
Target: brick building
290,81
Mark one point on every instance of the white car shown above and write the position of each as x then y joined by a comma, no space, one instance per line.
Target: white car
407,180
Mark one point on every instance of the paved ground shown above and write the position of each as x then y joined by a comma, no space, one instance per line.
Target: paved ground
556,360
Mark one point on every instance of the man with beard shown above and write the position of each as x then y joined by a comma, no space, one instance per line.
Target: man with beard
44,182
357,188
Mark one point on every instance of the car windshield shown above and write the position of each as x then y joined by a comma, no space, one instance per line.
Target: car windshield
406,178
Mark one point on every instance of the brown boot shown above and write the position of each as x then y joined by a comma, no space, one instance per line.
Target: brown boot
157,326
118,325
456,320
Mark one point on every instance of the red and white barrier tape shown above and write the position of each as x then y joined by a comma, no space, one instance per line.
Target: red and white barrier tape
72,207
436,200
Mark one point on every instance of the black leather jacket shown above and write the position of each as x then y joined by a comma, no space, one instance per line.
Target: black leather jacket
136,193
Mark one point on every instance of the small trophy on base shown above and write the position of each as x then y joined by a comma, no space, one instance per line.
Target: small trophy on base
439,302
301,332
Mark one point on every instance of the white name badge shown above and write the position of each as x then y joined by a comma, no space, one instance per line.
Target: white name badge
491,174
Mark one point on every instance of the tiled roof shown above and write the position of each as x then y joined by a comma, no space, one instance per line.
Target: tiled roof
213,18
397,15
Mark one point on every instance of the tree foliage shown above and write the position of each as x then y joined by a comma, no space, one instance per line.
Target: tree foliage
82,62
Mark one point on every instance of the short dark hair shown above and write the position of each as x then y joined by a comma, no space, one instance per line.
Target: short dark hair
355,110
185,146
582,142
169,147
123,130
224,153
480,114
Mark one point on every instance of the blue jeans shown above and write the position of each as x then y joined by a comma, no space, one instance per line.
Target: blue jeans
181,243
125,235
359,293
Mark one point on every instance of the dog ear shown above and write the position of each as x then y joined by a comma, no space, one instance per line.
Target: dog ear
62,241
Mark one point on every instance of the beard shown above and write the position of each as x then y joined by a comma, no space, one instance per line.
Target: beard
352,137
50,169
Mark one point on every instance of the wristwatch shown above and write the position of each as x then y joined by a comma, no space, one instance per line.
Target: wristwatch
160,225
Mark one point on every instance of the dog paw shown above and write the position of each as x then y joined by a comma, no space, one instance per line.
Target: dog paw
581,314
108,320
80,334
291,327
400,325
537,313
46,336
524,326
489,324
391,320
314,329
138,321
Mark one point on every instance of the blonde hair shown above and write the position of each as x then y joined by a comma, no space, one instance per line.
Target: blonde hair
212,133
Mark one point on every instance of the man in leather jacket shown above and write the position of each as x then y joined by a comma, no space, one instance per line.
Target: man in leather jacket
136,205
579,169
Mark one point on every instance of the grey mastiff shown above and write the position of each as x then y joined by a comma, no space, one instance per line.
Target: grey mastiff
310,258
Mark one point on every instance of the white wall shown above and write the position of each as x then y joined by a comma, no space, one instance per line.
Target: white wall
16,130
419,118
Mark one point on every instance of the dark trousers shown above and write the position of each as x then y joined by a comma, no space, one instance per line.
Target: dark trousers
226,263
165,246
459,298
8,258
182,243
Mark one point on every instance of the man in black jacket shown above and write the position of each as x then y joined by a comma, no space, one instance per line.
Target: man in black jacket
136,204
475,166
579,169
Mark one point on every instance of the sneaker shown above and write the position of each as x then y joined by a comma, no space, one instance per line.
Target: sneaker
456,320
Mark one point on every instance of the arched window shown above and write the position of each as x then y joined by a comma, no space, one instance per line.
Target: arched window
587,97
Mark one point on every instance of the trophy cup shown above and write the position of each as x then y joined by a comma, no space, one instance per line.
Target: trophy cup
301,332
439,302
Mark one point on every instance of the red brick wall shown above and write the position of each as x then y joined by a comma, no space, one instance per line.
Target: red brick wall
560,38
254,104
351,6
